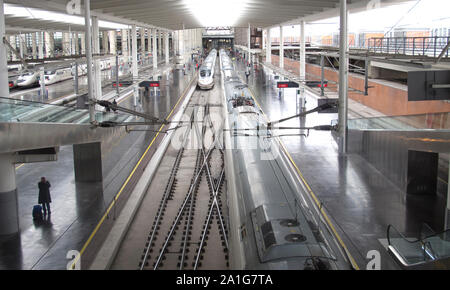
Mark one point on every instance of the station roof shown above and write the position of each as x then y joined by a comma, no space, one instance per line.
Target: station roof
172,14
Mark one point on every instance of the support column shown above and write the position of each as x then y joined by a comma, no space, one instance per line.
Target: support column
302,51
87,25
134,65
49,44
281,48
105,41
268,46
97,73
77,44
181,43
12,41
159,43
41,44
83,43
33,45
149,41
95,35
124,40
343,78
142,37
112,42
249,42
72,43
155,52
9,213
21,46
166,46
87,159
66,43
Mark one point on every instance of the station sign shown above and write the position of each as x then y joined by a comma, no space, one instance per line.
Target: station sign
149,84
282,85
316,84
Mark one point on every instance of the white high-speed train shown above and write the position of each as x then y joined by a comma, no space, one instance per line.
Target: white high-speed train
206,72
57,75
274,222
105,64
28,79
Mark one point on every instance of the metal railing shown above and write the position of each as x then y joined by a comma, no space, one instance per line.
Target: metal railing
430,247
415,46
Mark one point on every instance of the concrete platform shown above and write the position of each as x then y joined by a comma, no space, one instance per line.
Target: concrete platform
362,202
77,207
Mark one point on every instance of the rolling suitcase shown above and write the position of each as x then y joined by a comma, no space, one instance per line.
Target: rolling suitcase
37,212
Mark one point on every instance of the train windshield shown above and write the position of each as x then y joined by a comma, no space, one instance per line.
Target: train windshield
27,74
50,72
205,73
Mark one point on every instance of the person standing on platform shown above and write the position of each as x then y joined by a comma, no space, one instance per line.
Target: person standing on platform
115,105
44,195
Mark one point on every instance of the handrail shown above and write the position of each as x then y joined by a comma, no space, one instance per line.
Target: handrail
428,251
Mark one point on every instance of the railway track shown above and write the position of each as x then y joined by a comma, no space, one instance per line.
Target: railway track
189,230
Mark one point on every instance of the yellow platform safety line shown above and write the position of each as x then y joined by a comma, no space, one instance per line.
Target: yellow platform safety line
316,200
20,165
94,232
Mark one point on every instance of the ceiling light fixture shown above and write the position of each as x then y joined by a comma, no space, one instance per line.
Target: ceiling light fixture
216,12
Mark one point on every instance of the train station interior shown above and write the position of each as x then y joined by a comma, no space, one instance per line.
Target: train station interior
224,135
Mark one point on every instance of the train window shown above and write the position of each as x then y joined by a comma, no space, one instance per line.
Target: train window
205,73
50,72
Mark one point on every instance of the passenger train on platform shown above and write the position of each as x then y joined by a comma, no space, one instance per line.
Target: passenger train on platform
275,223
28,79
206,71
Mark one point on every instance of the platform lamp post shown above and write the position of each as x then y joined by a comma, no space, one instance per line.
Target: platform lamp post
343,78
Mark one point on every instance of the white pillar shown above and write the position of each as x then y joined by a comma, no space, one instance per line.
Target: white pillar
112,42
142,37
95,35
268,46
249,42
88,43
124,40
9,213
66,43
302,51
155,52
33,45
49,44
21,45
83,43
76,49
166,46
181,48
12,41
105,41
9,217
343,77
159,43
41,44
134,66
281,48
4,88
149,41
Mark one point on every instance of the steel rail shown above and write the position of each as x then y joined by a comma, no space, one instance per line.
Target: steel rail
169,187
